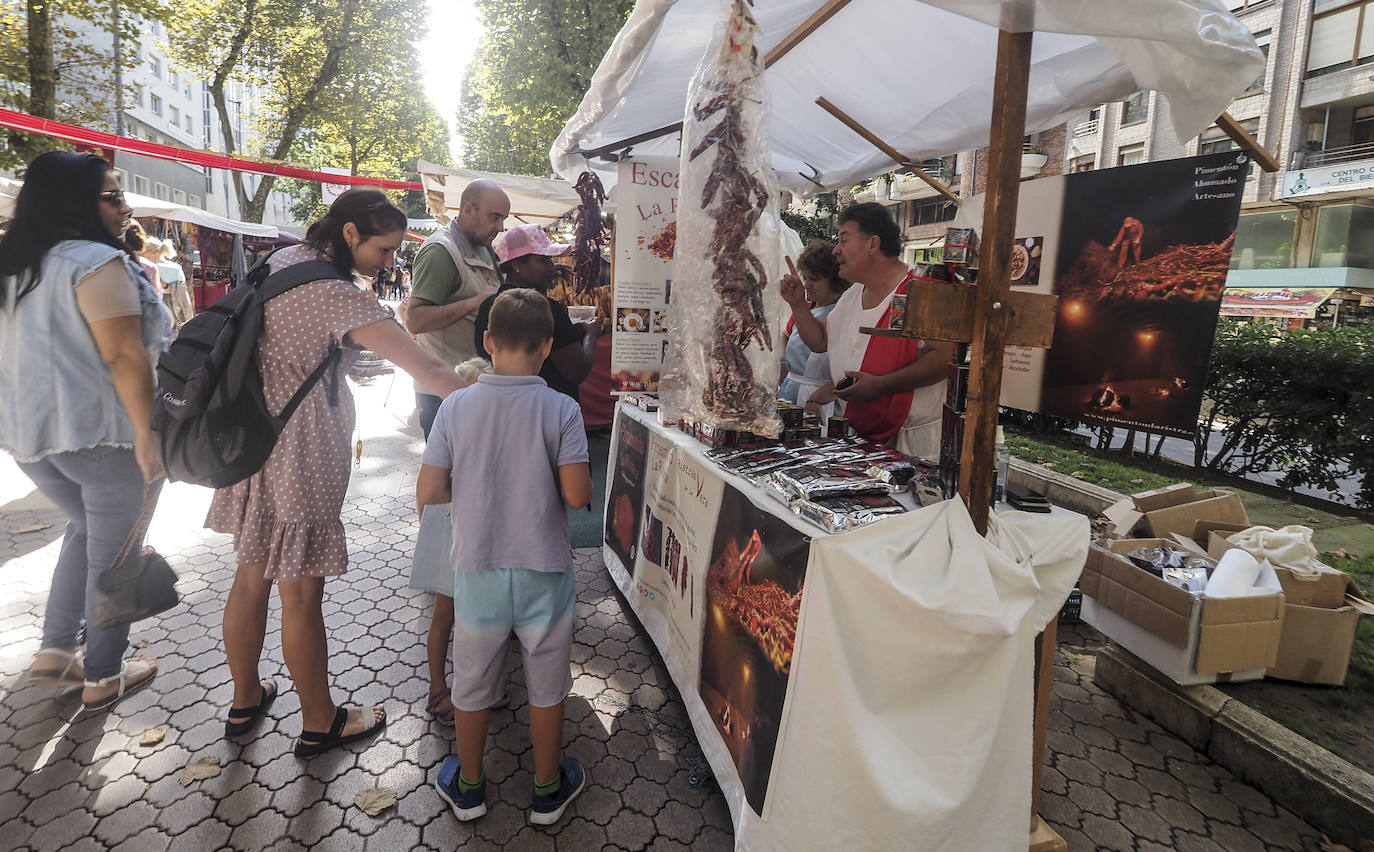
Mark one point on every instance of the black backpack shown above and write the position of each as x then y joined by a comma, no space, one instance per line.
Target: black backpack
210,413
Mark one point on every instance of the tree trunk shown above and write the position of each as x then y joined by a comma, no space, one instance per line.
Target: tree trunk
42,76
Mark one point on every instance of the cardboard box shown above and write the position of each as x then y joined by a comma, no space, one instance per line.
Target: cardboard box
1187,637
1181,509
1319,621
1315,644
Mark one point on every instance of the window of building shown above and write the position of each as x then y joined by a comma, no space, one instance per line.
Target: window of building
1341,39
155,104
138,95
932,211
176,117
189,128
174,78
1264,240
179,196
1130,155
1214,140
155,67
160,191
194,201
1345,236
123,177
186,90
1262,39
1082,164
1136,108
140,184
1362,126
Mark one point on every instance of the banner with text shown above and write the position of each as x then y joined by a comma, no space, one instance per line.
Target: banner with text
645,236
717,582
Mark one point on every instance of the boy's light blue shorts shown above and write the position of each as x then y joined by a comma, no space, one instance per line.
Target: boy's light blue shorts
487,606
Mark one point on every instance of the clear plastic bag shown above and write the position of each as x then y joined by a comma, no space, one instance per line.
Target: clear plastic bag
721,368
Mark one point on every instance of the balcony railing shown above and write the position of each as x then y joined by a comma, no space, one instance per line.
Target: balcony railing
1087,128
1342,154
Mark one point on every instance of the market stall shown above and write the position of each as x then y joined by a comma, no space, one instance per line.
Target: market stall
832,123
833,680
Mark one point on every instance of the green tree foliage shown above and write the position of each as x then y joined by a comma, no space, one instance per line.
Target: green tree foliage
531,69
48,69
820,226
322,65
1298,402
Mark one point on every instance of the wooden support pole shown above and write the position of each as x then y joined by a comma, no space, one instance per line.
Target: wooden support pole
1250,144
991,312
895,155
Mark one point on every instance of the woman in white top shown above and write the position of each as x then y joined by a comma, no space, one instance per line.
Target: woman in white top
806,372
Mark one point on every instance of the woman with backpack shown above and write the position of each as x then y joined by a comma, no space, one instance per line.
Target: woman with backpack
286,518
80,329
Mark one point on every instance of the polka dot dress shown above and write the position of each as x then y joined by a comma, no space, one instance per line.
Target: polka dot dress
286,516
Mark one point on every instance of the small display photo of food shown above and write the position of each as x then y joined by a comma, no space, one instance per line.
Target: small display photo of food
632,319
1025,261
660,322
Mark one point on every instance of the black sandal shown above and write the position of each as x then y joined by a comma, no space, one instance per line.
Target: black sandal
239,728
311,743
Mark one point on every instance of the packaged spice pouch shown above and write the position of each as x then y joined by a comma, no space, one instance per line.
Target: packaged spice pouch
897,473
812,482
841,514
1189,578
1156,560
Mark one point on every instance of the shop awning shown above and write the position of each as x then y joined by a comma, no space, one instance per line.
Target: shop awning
1290,302
530,197
918,74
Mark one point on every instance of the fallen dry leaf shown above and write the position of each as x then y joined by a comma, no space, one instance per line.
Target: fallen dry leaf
206,767
27,528
1137,482
1343,553
142,643
1312,520
375,800
153,736
1077,474
1047,464
1329,845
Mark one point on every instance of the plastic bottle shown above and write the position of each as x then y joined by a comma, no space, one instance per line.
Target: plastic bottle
1003,457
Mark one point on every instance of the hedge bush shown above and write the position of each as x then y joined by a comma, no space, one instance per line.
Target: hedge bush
1296,402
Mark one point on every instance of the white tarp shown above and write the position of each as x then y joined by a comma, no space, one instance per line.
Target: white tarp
917,73
530,197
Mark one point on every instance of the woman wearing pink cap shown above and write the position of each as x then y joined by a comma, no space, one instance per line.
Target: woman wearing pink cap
526,257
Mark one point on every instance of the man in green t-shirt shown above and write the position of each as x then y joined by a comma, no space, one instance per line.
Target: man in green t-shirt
455,271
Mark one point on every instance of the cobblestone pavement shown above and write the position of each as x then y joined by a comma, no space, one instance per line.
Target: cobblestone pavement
82,781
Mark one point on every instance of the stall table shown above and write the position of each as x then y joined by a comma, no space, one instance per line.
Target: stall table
874,686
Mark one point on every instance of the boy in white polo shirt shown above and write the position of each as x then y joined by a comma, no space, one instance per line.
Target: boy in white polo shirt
517,451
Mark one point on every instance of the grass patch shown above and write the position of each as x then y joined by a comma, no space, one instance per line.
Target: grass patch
1358,694
1073,459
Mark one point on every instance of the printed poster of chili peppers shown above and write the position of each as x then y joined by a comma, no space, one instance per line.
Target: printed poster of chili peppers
645,238
1143,257
753,599
625,488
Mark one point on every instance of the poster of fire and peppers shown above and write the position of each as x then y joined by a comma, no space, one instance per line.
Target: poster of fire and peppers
717,581
1138,257
645,236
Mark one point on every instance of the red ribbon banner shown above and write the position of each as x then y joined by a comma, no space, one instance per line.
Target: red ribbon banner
100,139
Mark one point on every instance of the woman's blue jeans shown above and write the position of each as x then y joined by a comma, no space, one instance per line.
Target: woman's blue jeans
100,490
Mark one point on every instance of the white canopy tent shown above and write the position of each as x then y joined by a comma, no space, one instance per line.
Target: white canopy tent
917,73
530,197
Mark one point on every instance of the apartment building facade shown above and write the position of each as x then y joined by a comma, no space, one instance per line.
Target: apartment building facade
163,103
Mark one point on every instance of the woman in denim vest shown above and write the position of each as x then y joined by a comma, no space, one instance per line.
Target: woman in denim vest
80,329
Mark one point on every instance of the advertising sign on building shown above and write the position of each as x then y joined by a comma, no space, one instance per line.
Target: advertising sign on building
1338,177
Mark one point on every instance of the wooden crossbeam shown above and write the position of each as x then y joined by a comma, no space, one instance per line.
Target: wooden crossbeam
1250,144
809,26
895,155
940,311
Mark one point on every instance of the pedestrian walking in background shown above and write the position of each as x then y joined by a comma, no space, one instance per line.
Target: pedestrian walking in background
80,330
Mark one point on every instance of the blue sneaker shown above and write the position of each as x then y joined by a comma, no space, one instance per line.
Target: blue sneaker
547,810
466,806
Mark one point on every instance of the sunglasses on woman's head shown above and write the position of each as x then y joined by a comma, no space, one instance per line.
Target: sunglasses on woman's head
114,196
